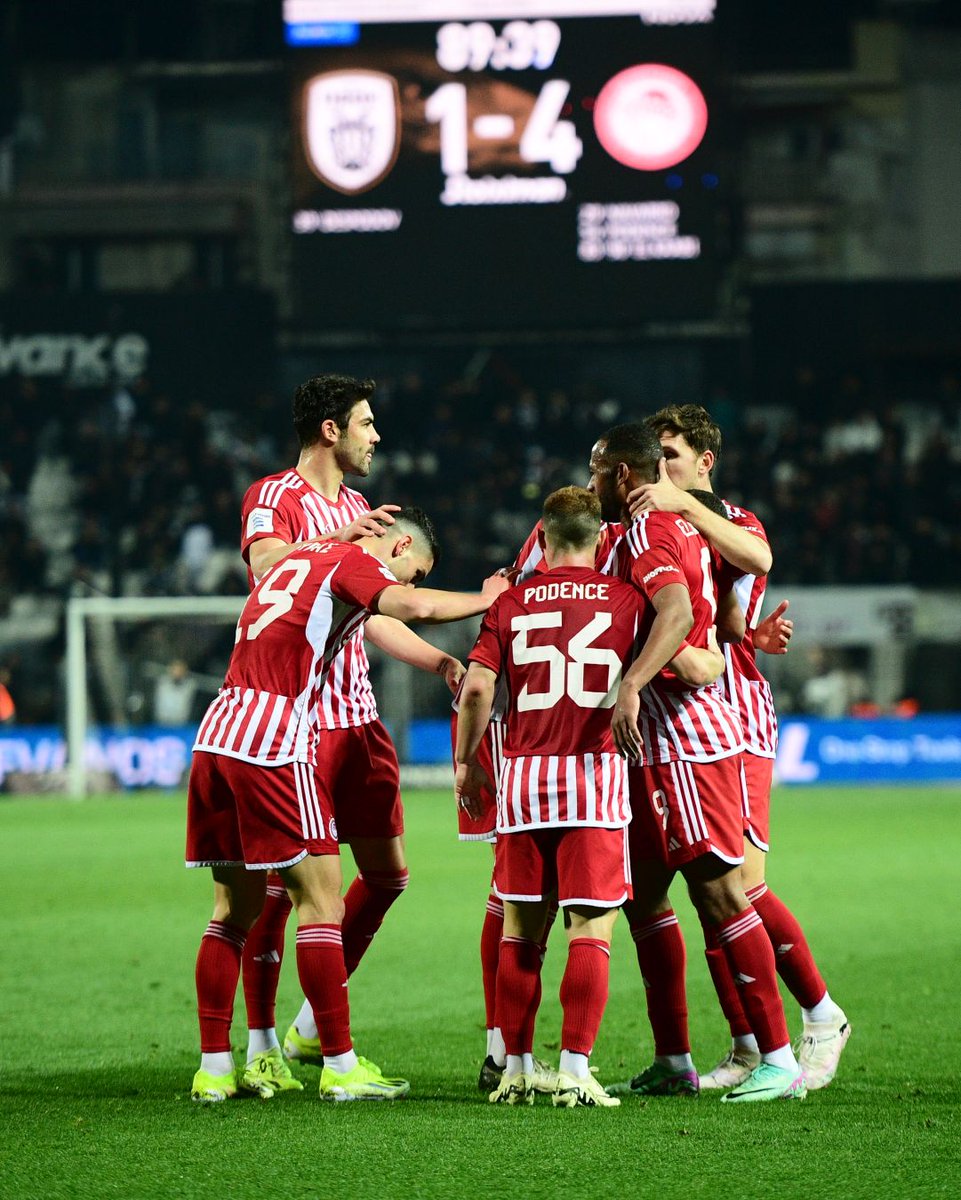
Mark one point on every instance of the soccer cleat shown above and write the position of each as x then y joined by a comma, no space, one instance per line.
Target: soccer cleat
544,1078
733,1069
366,1081
514,1089
269,1070
581,1093
303,1049
213,1089
490,1076
768,1082
659,1080
819,1050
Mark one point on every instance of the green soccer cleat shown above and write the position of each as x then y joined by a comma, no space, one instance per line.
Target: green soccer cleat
514,1089
213,1089
365,1082
268,1070
303,1049
768,1082
581,1093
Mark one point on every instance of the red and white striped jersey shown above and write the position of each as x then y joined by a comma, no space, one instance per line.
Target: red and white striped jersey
560,639
742,683
291,630
286,506
531,556
676,721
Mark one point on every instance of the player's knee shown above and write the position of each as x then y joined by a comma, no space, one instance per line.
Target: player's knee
718,899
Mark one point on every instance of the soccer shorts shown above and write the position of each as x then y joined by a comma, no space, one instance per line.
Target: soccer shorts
240,813
581,864
683,810
358,776
758,773
490,757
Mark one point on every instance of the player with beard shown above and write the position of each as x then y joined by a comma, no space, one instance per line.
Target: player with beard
335,427
691,443
685,745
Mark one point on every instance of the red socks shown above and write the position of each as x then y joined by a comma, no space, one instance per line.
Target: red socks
217,972
320,965
490,948
751,961
662,958
365,906
518,993
263,955
727,993
792,955
584,993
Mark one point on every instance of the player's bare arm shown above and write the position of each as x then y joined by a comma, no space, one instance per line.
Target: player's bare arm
672,623
474,710
395,639
699,667
743,549
435,607
773,634
731,625
267,552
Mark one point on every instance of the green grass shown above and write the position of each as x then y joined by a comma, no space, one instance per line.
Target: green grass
100,924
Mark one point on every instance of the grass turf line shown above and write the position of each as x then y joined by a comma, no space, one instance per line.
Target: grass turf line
98,1032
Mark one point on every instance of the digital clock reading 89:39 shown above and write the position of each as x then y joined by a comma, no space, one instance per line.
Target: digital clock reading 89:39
518,170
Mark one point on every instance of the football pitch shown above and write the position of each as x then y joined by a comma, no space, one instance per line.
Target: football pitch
100,927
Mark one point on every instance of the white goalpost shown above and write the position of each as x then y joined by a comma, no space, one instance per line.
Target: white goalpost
110,609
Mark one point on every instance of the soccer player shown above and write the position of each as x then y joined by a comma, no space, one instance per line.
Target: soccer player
559,639
691,442
686,784
359,772
254,803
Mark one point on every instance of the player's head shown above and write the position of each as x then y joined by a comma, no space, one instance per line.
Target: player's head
333,412
571,521
710,500
691,442
409,548
622,459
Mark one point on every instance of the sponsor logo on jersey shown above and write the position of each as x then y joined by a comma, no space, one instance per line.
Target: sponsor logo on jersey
659,571
260,520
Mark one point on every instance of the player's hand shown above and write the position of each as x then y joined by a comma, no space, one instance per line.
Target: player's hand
470,779
627,736
494,585
663,496
774,632
368,524
453,671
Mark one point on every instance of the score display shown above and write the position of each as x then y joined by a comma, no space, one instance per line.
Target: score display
502,170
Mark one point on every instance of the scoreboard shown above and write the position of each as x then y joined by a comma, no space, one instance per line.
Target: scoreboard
489,164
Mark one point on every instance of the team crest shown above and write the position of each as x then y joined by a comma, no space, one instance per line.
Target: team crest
351,128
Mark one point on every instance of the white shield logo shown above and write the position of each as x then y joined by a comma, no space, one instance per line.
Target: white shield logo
351,128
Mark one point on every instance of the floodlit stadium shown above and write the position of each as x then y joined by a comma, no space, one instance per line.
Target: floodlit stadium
445,426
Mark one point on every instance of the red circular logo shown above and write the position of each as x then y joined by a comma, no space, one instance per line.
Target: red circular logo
650,116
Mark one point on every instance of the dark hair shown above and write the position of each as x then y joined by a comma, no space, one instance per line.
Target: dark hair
635,444
710,500
327,398
420,522
572,518
691,422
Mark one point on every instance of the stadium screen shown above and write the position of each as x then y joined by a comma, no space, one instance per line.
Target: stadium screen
474,164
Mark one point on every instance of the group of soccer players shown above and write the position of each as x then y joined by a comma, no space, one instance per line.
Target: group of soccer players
603,739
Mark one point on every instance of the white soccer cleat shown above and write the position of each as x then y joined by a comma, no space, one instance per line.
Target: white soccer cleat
819,1050
544,1078
514,1089
733,1069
